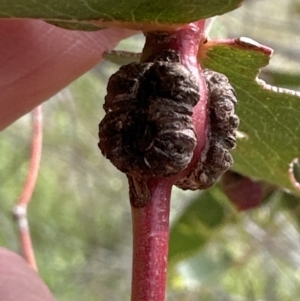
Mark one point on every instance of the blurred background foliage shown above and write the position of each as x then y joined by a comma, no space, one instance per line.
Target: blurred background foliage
80,215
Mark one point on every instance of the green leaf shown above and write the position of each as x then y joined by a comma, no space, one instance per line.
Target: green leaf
282,78
92,14
269,117
121,57
291,204
205,269
204,217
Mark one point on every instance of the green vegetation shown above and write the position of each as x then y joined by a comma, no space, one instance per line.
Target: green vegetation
80,215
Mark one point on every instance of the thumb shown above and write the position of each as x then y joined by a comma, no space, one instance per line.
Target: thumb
18,281
38,59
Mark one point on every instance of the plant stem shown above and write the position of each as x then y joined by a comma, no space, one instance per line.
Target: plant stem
20,210
150,244
151,222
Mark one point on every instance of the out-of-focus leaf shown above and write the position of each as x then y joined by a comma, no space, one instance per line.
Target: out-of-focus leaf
280,78
198,223
269,117
243,192
93,14
291,204
204,269
121,57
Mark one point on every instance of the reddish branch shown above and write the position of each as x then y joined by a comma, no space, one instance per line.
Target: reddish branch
20,210
150,244
151,222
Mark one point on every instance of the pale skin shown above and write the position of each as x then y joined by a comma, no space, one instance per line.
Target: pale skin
37,60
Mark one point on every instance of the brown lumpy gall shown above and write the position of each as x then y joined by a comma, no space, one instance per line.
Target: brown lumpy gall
148,129
216,157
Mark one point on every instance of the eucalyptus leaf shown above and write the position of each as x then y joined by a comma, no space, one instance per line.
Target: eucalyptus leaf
92,14
269,116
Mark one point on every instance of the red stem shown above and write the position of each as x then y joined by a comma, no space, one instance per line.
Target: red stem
150,244
151,222
36,153
20,209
